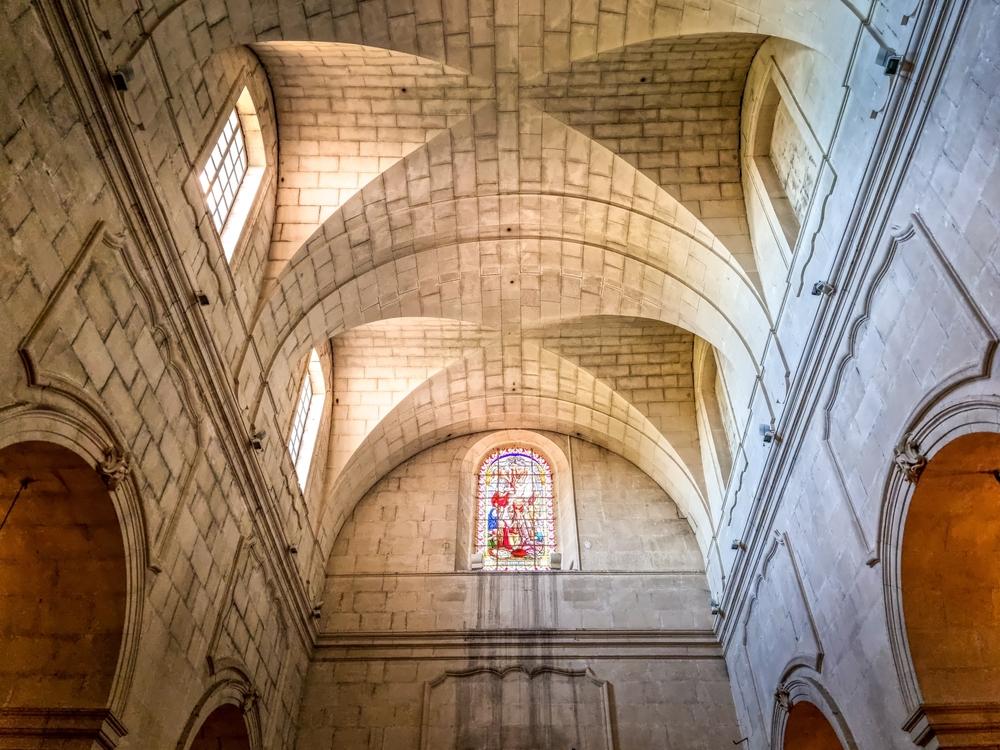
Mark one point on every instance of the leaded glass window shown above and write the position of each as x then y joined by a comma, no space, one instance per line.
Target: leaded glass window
306,419
516,514
224,171
301,415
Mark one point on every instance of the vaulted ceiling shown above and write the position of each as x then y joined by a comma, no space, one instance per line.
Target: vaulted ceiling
488,186
602,198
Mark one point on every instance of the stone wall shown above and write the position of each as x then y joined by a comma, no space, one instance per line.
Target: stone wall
109,369
392,583
513,222
815,598
378,703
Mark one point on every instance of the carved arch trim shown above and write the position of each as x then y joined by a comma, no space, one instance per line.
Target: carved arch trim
926,438
232,687
467,468
89,439
802,684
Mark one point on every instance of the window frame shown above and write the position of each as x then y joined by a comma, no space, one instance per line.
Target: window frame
467,467
786,226
313,383
481,545
247,202
228,162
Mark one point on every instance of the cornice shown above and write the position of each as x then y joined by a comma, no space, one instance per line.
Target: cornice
522,644
906,110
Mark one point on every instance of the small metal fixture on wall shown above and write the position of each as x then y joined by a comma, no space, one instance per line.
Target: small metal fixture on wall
889,61
121,77
257,440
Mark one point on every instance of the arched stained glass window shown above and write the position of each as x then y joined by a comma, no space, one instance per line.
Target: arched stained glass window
516,514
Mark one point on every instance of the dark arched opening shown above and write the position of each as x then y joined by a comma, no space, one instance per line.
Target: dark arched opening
62,595
808,729
224,729
950,578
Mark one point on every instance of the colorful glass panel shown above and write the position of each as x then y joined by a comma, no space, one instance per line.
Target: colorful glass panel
516,518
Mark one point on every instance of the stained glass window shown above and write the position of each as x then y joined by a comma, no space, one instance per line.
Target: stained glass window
516,515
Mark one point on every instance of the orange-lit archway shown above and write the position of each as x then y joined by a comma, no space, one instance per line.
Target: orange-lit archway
224,729
950,577
62,597
808,729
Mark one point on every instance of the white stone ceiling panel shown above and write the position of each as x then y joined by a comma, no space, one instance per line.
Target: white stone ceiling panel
345,114
671,109
465,398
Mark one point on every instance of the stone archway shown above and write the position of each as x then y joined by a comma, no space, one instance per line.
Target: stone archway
808,729
63,588
224,729
950,581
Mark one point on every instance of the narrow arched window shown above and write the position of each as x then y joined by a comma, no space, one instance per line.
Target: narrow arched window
307,418
516,513
232,172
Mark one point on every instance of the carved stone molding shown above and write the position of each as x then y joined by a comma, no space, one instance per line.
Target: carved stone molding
232,687
955,725
250,578
590,644
797,630
250,701
783,698
802,684
935,30
114,468
908,458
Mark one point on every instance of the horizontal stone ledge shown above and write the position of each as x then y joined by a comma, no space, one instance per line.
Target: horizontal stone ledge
955,725
554,643
30,726
507,575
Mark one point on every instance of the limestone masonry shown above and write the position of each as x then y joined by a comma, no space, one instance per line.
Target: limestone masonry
556,374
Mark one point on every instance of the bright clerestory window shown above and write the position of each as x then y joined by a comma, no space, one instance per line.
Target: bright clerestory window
306,419
233,171
224,172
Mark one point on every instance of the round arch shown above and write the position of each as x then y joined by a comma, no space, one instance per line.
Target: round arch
64,591
467,467
949,585
85,435
227,715
924,440
805,715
